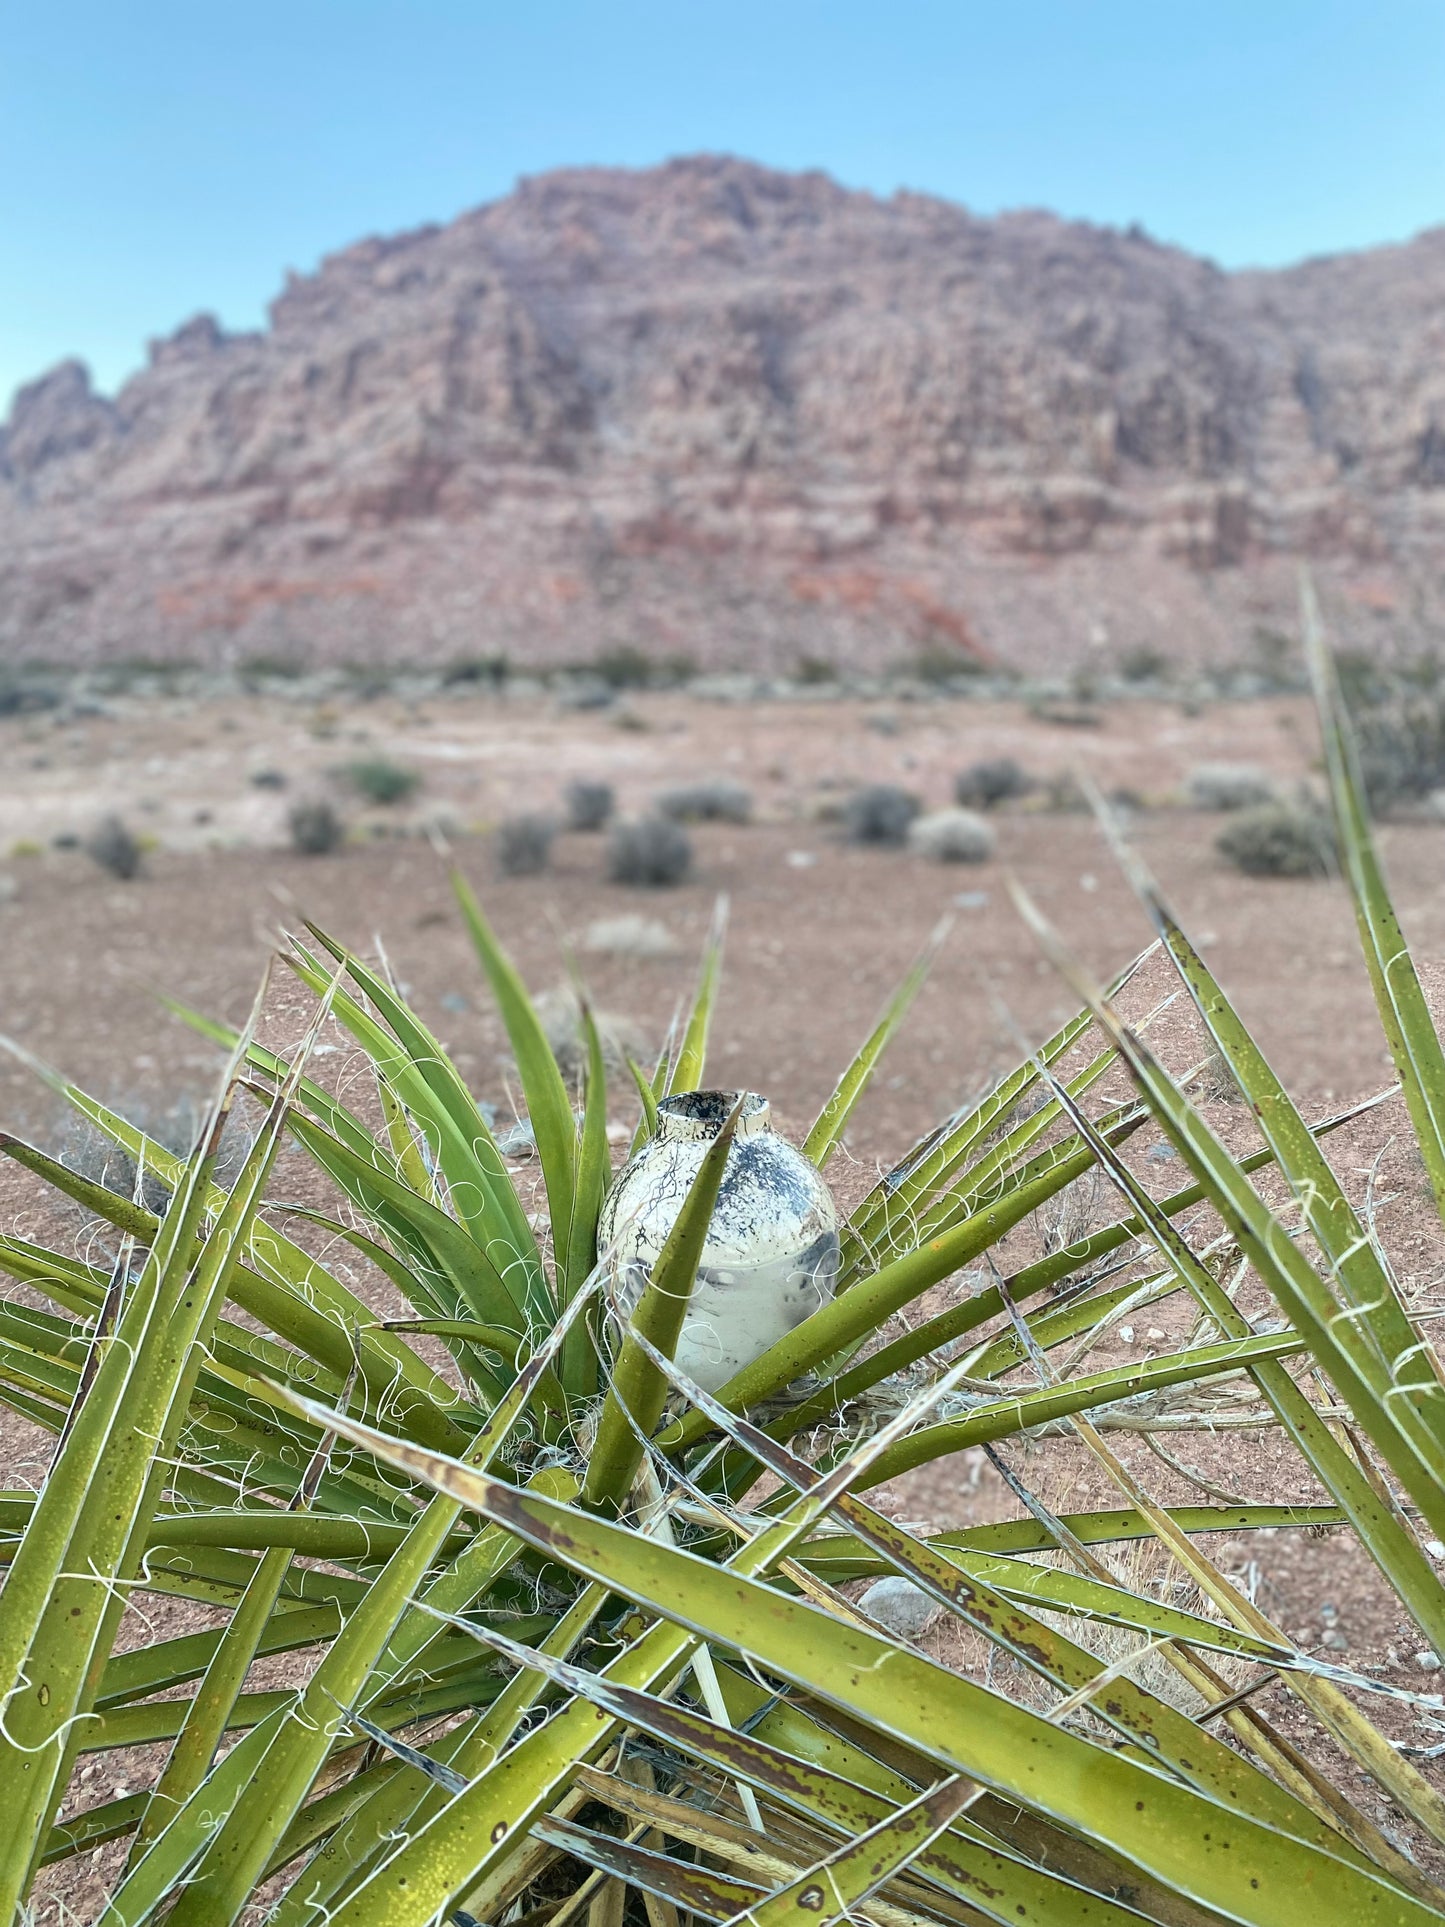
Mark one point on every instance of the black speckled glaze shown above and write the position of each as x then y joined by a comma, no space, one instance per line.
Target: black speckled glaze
771,1255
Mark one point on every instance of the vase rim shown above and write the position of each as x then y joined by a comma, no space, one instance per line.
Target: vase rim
700,1115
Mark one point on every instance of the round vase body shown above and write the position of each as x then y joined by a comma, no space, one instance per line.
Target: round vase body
771,1254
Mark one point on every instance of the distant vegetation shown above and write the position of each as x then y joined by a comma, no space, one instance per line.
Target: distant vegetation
378,780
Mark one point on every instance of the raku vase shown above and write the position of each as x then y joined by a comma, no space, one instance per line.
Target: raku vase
771,1255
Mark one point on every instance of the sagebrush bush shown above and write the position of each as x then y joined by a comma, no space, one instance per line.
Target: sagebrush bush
952,836
712,801
492,671
379,780
879,813
629,936
1402,744
632,668
1144,663
1065,795
649,850
589,805
813,670
524,845
1228,786
115,848
316,827
560,1014
939,663
986,784
1279,839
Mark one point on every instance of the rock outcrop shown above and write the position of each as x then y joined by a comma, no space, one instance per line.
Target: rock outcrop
748,417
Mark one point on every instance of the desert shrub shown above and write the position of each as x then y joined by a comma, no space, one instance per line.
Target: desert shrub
524,845
258,670
583,691
368,682
623,668
1082,714
560,1014
879,813
20,696
172,1122
315,826
1144,663
115,848
589,805
1401,738
997,779
1064,794
1228,786
1275,659
628,667
940,664
378,780
649,850
629,937
812,670
952,836
490,671
716,801
1279,839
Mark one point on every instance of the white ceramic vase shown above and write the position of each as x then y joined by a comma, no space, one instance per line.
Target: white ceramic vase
771,1255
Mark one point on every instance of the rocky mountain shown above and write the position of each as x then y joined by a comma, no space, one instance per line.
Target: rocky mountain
748,417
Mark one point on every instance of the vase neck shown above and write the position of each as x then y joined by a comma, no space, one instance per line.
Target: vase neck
698,1116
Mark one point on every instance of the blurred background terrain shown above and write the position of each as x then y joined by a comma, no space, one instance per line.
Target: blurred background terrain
809,406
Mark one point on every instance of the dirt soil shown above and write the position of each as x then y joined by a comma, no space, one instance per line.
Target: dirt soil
819,933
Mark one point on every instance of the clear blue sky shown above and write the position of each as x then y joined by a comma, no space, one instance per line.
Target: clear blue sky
165,156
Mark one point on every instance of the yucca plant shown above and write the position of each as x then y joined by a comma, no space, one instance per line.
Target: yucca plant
574,1637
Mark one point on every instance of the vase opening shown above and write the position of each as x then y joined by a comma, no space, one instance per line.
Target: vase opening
700,1115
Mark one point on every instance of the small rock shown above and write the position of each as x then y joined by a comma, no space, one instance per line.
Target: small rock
1428,1661
519,1142
1329,1612
1435,1549
1126,1332
801,859
1156,1335
1160,1153
971,900
899,1606
1337,1641
454,1003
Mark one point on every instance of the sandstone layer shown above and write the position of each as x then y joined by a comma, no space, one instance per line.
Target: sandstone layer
747,417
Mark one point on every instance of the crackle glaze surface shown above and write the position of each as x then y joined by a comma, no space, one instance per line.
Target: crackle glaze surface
771,1255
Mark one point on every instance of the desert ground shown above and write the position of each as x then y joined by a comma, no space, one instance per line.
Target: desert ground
819,932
